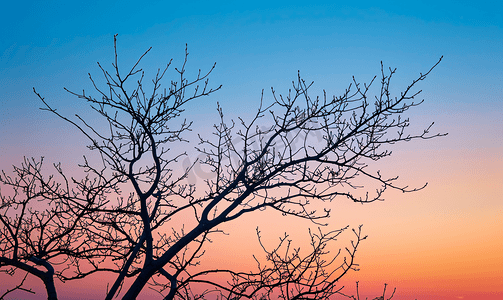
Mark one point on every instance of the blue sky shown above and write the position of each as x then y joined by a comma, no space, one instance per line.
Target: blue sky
54,44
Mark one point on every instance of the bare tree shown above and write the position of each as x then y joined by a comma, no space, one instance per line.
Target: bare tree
42,223
294,151
383,297
289,274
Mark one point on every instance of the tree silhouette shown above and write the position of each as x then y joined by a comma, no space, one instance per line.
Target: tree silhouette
42,224
123,216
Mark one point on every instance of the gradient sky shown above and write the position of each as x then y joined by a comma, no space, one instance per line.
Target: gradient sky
445,242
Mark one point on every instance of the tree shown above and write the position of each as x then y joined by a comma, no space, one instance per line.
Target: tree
296,150
42,224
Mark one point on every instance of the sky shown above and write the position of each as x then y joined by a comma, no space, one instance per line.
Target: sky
443,242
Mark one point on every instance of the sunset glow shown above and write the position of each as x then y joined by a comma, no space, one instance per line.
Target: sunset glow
442,242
